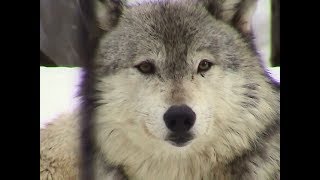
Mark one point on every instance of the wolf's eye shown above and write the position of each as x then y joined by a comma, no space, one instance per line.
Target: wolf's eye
146,67
204,65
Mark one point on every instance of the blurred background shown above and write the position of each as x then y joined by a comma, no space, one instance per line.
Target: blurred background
59,59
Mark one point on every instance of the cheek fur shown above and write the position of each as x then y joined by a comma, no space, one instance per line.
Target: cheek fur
139,97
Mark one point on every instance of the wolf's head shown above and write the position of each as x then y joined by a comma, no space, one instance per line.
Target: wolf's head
179,76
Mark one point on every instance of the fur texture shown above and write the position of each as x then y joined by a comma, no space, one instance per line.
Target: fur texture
236,132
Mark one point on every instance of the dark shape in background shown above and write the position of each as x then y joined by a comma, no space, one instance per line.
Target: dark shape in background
58,32
46,61
275,33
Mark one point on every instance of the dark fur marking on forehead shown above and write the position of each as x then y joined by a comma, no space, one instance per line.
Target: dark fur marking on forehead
176,38
175,26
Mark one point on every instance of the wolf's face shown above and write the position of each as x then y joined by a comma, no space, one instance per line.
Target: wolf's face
172,76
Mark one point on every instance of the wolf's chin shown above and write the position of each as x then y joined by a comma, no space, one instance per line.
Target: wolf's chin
179,144
180,140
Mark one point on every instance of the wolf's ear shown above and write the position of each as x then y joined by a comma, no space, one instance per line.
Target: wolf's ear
238,13
107,13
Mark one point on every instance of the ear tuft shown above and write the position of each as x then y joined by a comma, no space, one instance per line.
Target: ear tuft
238,13
108,13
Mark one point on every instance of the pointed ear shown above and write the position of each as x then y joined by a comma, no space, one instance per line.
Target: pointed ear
108,12
238,13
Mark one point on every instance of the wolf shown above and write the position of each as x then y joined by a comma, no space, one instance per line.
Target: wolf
179,93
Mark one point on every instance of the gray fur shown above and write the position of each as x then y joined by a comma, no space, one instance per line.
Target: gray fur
237,132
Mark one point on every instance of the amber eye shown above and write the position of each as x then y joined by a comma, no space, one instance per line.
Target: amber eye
204,65
146,67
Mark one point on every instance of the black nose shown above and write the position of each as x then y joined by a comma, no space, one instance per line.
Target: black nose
179,119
